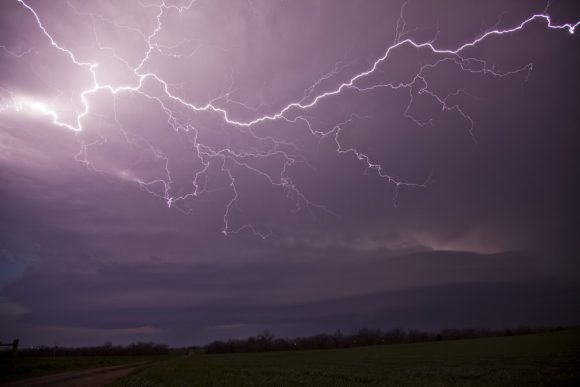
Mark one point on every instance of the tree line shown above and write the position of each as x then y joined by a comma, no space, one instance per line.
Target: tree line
266,341
107,349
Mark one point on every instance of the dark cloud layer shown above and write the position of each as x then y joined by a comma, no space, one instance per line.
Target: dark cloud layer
87,255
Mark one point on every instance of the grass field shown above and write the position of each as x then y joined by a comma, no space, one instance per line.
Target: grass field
531,360
28,367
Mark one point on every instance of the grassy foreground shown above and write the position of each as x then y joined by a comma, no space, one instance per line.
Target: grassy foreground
29,367
531,360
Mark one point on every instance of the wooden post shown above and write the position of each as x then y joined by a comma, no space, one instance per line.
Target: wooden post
15,346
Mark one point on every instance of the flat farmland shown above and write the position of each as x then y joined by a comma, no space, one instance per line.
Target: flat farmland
529,360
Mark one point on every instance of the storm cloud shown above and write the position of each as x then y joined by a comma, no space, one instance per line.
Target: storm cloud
169,221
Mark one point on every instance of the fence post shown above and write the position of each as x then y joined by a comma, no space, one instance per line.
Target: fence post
15,346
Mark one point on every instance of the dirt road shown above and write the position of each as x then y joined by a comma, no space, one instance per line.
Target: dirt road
95,377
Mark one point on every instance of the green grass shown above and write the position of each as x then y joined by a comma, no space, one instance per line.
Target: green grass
27,367
531,360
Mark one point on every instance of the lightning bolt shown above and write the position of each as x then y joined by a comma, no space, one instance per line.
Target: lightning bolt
226,158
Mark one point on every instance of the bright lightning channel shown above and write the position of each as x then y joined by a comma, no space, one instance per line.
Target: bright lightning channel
206,154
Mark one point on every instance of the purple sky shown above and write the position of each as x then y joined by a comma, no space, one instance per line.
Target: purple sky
182,172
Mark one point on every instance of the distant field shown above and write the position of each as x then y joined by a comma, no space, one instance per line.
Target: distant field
531,360
27,367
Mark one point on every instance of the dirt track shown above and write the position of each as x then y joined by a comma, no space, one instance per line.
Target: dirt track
95,377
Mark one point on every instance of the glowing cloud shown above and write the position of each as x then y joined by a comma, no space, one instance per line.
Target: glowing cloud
183,115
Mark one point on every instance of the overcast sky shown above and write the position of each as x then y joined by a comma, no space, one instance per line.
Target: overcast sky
186,172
